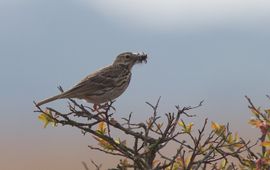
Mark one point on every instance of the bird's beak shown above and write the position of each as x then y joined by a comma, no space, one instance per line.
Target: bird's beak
141,57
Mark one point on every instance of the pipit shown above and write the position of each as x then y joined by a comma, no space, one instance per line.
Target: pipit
105,84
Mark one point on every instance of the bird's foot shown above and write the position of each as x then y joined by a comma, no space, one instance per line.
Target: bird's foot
96,107
102,107
99,107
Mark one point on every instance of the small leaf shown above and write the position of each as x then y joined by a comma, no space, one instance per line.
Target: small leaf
236,137
238,145
102,128
189,127
149,122
104,144
255,122
181,123
230,139
223,164
215,126
249,163
118,141
218,129
186,128
125,163
267,153
47,118
187,161
179,163
265,143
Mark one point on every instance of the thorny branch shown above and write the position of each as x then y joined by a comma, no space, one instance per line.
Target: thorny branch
147,140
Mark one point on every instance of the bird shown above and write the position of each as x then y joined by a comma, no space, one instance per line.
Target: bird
105,84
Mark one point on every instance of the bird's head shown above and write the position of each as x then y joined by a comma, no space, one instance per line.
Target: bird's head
129,59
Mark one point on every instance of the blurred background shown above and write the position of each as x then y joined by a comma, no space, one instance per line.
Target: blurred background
212,50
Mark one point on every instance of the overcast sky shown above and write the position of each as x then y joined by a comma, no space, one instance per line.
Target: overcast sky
212,50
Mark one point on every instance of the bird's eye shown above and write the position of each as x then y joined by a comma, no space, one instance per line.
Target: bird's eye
128,56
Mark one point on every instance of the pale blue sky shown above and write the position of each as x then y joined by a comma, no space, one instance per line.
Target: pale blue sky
213,51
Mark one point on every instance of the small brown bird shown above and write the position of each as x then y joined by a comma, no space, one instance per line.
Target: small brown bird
105,84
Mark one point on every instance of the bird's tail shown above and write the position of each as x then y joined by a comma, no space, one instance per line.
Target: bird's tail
50,99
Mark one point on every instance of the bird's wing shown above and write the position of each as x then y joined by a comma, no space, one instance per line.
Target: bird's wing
99,82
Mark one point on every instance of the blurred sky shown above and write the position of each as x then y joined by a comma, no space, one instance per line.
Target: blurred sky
212,50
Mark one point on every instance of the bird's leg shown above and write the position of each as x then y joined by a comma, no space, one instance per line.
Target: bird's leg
105,106
96,107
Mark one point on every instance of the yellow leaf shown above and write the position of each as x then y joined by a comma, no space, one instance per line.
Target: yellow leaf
201,149
46,117
101,128
215,126
249,163
265,143
104,144
218,129
230,139
238,145
267,153
125,163
255,122
187,160
118,141
223,164
236,137
179,163
181,123
189,127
